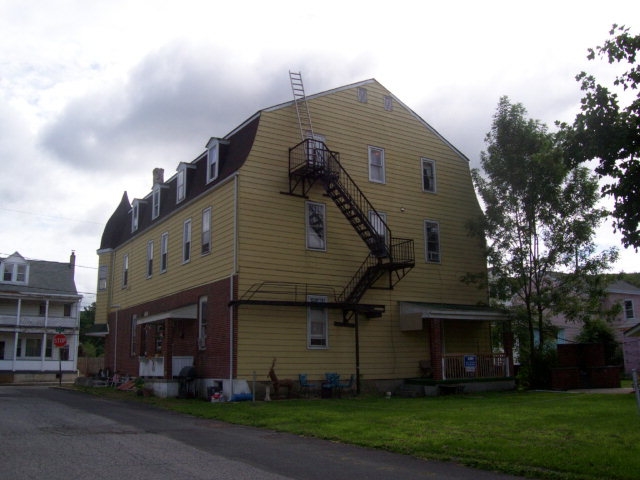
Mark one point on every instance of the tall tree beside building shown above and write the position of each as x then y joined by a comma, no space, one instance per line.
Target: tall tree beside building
540,217
607,130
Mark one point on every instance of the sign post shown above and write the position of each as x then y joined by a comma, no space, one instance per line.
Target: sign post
60,341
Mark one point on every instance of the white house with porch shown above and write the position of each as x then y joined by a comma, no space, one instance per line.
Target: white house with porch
38,302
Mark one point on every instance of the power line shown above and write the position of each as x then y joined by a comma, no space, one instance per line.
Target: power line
51,216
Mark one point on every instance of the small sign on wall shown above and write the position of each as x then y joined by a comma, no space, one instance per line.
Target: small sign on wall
470,363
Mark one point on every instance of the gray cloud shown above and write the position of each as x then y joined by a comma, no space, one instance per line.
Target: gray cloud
174,100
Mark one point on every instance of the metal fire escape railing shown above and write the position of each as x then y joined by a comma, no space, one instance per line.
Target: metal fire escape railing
311,161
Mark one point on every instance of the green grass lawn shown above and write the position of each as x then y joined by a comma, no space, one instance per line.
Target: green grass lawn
534,434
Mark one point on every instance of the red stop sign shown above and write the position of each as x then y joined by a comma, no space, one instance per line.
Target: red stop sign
59,340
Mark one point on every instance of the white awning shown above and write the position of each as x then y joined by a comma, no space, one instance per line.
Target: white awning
412,314
190,312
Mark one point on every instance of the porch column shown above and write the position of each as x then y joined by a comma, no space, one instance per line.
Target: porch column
507,341
435,347
167,347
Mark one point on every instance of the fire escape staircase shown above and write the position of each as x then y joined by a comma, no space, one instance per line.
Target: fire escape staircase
312,162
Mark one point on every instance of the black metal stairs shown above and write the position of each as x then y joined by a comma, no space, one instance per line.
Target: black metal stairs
311,161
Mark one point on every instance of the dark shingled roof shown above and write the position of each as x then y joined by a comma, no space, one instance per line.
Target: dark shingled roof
45,278
233,153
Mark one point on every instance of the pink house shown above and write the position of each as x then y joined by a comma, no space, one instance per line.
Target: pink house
624,325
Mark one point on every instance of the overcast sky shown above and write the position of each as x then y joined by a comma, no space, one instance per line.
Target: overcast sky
95,94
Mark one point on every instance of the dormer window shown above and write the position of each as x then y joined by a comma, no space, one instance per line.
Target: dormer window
181,184
181,180
213,157
155,202
135,215
14,269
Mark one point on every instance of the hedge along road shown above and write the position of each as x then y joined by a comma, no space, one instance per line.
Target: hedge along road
59,434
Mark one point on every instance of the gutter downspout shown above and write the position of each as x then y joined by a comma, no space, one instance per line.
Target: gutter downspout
231,281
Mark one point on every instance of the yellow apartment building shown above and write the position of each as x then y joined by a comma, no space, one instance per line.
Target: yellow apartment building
328,233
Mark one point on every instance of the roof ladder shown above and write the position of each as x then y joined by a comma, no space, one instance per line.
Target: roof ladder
304,118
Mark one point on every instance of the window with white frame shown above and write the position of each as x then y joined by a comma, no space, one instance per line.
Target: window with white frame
164,252
388,103
102,277
135,215
376,165
213,155
431,241
29,346
362,95
155,202
629,314
317,323
181,190
125,270
14,272
205,241
428,175
149,258
378,221
202,323
186,241
316,226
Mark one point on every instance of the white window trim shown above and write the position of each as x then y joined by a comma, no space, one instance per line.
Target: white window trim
324,320
125,270
135,215
181,184
155,202
14,266
164,252
387,102
424,160
429,258
362,95
626,312
370,150
378,222
213,160
205,238
186,241
309,230
103,272
149,258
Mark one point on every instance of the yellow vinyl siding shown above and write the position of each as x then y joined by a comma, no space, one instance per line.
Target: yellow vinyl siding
272,224
272,236
201,269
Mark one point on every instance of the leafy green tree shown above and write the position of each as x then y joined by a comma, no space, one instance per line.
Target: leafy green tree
540,217
609,132
92,346
599,331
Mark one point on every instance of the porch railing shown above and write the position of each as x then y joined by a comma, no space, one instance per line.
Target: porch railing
478,365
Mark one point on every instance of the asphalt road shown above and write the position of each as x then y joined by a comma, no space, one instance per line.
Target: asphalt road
54,434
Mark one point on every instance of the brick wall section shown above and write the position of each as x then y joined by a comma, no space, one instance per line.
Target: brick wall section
211,362
435,341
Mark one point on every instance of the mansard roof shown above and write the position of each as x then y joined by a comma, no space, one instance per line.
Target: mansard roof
233,153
